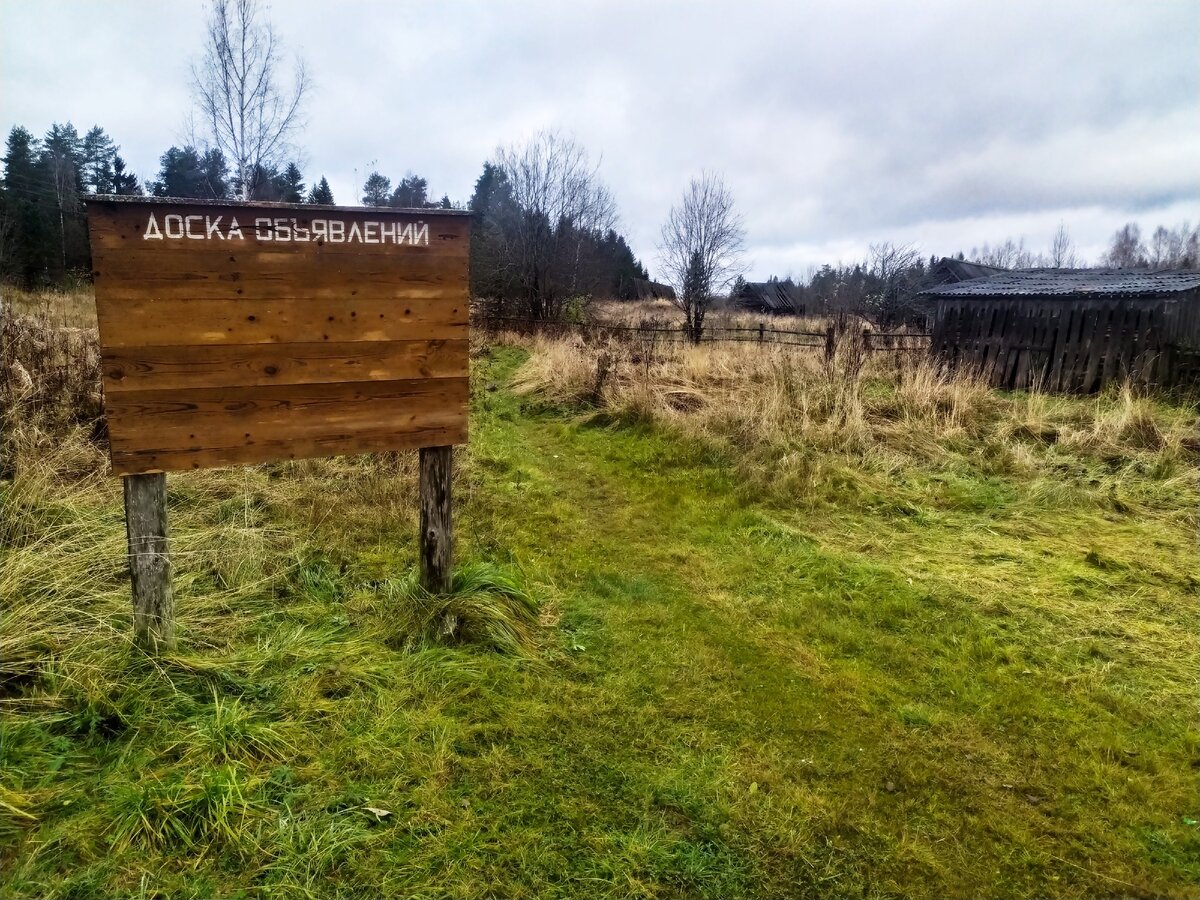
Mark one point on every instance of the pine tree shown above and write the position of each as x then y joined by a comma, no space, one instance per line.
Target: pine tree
445,203
377,190
321,193
411,193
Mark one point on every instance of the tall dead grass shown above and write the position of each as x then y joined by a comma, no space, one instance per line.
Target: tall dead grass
790,415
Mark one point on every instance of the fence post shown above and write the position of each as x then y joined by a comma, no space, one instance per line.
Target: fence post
149,561
760,332
437,526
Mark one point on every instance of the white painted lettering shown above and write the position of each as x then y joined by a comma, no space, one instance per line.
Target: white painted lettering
337,231
262,229
406,234
387,230
299,232
187,227
370,232
235,230
355,234
283,230
173,225
213,226
320,229
422,235
152,232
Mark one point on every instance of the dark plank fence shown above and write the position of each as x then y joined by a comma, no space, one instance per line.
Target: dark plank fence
1069,344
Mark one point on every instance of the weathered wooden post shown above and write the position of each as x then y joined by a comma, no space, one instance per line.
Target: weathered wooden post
761,328
149,561
437,526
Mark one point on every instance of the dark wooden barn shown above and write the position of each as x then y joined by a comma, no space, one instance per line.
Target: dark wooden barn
1070,329
779,297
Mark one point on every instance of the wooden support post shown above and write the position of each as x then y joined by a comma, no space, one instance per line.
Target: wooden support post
149,561
761,329
437,527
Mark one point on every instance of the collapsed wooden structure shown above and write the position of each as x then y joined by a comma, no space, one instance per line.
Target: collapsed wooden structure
1070,329
777,297
651,290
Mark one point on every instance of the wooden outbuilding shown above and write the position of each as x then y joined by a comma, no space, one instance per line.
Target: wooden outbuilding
1070,329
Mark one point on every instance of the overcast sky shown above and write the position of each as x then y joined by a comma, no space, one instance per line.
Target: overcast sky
837,125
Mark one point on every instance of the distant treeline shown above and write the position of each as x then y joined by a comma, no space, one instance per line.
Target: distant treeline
522,260
883,287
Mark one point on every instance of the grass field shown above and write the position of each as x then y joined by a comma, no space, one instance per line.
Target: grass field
726,626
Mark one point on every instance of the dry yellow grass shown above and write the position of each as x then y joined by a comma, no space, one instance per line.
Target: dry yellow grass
774,408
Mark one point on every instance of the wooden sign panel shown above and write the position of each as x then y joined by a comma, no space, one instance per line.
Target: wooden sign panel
247,332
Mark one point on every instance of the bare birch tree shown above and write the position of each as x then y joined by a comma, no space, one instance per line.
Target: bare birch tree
248,114
559,198
701,250
1062,249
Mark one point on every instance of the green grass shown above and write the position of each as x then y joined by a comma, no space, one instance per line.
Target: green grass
658,677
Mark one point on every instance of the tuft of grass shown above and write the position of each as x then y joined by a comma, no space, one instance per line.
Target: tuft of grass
486,607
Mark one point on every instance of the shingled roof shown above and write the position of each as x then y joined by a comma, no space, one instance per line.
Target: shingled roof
1071,283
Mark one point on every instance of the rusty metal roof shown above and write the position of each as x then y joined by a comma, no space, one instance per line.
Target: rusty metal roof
1071,283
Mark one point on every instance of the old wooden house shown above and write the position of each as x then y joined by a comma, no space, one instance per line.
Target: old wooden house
1070,329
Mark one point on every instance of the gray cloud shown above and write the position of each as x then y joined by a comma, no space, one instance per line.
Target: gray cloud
837,124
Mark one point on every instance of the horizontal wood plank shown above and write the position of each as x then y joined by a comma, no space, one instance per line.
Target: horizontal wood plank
173,322
139,275
271,416
151,460
194,367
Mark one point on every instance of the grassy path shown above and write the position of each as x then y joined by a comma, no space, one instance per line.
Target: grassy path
738,698
790,716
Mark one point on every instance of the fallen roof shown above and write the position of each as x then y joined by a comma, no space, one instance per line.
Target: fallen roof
775,296
949,270
1071,283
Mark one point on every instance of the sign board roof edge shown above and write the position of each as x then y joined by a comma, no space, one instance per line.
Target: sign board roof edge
270,204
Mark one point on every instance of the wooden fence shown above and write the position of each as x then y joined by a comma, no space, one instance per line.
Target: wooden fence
657,332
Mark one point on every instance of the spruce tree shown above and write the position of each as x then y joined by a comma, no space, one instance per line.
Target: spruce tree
29,246
321,193
124,183
290,184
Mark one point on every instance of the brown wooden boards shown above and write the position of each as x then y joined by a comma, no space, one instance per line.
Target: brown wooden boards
247,332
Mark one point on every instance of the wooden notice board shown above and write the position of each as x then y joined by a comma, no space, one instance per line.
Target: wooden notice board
247,332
